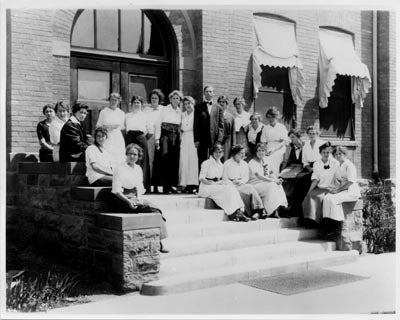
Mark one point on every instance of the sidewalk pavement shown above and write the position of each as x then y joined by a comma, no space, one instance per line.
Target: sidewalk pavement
377,294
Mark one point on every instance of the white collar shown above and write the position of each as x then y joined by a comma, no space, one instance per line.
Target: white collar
74,119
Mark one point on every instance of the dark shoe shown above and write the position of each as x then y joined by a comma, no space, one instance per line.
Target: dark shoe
274,215
155,190
172,190
162,249
186,190
241,217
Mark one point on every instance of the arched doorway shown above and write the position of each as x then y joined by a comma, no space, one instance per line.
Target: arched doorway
125,51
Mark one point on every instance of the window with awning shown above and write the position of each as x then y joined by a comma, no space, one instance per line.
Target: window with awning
338,57
277,47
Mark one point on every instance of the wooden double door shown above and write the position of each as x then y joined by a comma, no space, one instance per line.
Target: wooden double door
93,79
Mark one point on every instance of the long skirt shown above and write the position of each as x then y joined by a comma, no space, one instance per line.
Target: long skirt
46,155
332,204
146,207
115,145
276,158
271,194
250,198
226,197
312,204
170,147
296,190
151,148
140,139
188,169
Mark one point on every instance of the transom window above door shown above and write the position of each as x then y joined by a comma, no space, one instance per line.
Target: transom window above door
128,31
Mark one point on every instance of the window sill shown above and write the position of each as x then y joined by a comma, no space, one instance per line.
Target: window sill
346,143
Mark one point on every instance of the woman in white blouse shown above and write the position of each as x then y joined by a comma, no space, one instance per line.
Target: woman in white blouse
242,122
267,184
310,152
138,129
346,191
98,160
255,133
127,185
62,112
322,181
223,192
188,173
275,135
154,115
236,170
168,140
112,118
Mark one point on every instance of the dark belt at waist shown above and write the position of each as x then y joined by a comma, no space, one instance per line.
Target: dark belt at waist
135,132
214,179
171,127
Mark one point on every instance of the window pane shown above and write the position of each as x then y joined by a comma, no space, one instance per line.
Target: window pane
107,29
146,35
83,33
93,84
141,85
153,44
276,79
336,120
131,26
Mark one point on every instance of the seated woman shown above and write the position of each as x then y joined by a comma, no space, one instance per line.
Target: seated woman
73,141
296,179
42,130
322,181
98,161
346,191
62,112
267,184
255,133
236,170
128,188
224,193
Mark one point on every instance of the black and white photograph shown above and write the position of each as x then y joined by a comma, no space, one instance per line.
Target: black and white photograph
198,160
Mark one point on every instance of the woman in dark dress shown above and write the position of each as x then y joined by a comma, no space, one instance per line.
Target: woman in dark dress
296,179
42,130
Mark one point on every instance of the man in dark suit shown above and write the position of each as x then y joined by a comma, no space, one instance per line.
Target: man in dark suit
208,124
73,141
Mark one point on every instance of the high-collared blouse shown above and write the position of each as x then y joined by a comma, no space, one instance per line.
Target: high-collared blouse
169,115
311,154
126,177
241,120
234,170
252,134
325,173
138,121
211,169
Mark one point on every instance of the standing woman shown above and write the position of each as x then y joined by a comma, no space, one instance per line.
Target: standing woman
275,135
223,192
154,114
346,191
138,128
311,148
229,139
254,135
127,186
112,118
99,170
169,140
188,171
42,130
242,121
62,112
236,170
322,181
267,184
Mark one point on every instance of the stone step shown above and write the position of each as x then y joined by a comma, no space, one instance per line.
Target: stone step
179,201
91,193
193,216
190,246
229,258
222,276
213,228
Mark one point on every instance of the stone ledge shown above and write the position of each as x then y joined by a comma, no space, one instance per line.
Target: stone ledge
67,168
91,193
128,221
353,206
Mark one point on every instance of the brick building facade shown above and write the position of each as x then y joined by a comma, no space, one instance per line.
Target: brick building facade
208,47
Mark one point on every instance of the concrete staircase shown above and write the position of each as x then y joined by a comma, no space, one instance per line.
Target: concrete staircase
207,250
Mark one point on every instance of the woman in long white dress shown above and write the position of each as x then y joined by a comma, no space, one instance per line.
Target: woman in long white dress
154,152
62,112
224,193
267,184
346,191
236,170
241,123
275,135
322,181
188,173
112,118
